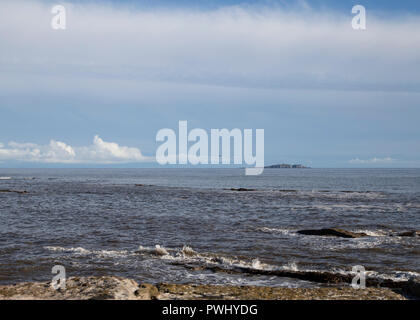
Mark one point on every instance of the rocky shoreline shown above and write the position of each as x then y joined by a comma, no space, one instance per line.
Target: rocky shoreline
118,288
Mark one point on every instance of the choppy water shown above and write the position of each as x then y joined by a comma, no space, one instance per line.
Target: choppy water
98,221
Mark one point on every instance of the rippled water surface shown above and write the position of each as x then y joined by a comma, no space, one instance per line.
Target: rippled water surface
155,224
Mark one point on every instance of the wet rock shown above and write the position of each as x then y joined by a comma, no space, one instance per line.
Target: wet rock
15,191
412,288
324,277
332,232
77,288
117,288
198,292
147,291
413,233
241,189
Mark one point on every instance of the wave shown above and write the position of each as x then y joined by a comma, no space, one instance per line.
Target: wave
396,276
199,261
5,178
283,231
372,233
83,251
390,236
157,250
78,250
332,194
319,194
350,207
293,232
196,261
187,255
292,266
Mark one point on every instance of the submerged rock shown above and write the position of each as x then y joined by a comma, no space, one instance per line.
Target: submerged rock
412,288
241,189
413,233
332,232
15,191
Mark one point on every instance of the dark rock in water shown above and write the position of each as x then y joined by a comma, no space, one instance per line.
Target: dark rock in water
332,232
412,287
15,191
241,189
286,165
413,233
322,277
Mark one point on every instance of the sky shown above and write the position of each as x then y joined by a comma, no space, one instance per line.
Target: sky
97,93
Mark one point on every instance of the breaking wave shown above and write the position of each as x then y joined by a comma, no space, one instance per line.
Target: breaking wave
83,251
283,231
196,261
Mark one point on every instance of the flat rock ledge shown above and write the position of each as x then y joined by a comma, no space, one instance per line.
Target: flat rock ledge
332,232
117,288
341,233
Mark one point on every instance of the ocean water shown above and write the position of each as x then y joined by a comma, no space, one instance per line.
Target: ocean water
161,225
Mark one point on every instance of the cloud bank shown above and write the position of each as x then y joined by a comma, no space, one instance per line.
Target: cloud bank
258,47
100,152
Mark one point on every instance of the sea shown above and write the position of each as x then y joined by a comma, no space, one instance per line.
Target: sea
166,225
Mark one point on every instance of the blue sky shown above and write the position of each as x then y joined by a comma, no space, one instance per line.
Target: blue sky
325,94
343,5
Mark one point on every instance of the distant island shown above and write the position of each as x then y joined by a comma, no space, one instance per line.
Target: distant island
287,166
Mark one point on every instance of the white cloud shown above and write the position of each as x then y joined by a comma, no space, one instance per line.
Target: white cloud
100,152
372,161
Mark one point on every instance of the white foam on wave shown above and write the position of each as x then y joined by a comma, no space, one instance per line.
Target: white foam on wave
83,251
78,250
186,250
393,275
366,243
292,232
372,233
188,255
284,231
161,250
406,275
291,266
5,178
256,264
111,253
156,250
